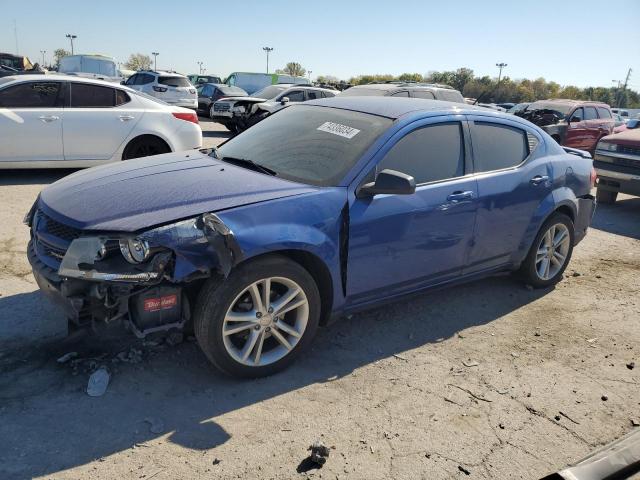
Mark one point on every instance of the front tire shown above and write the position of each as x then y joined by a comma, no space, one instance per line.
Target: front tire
257,321
606,196
550,252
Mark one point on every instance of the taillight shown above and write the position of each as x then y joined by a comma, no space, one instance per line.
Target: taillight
159,89
187,116
594,175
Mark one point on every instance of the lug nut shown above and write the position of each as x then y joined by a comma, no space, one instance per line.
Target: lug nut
257,327
258,315
268,329
270,310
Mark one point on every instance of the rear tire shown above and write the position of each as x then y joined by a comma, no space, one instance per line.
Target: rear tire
145,147
606,196
264,341
550,252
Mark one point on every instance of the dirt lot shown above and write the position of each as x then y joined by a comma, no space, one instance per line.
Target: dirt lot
486,380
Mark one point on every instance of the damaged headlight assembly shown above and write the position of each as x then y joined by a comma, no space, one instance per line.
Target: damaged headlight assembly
185,250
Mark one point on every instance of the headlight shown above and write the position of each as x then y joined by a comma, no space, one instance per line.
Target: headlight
134,250
610,147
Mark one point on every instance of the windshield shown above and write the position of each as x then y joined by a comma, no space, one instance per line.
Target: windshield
312,145
238,92
356,92
562,108
270,92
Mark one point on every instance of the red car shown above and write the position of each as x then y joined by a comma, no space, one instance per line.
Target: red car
617,163
572,123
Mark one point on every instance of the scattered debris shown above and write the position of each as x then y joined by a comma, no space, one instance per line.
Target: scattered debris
400,357
472,363
604,398
501,426
175,338
635,422
132,356
319,452
155,425
631,365
557,418
98,382
451,401
464,470
576,274
591,340
515,355
66,357
536,334
216,461
470,393
569,418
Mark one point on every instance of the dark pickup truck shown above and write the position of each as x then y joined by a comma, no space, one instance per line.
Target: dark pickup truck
617,163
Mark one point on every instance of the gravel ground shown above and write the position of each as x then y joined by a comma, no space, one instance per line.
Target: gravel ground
485,380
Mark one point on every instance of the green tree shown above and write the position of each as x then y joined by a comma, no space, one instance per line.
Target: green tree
138,61
411,77
295,69
58,53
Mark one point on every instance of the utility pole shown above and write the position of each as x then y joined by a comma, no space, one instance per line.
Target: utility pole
43,52
268,50
199,68
15,33
71,37
500,66
155,60
624,88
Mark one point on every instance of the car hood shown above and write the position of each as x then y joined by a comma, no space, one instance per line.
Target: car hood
630,137
237,99
138,194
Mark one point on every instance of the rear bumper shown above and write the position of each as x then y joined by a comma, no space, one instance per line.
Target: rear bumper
586,210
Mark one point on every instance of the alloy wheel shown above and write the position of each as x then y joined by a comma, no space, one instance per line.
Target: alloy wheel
265,321
552,251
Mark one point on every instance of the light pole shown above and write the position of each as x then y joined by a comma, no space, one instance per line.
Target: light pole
43,52
155,60
500,66
71,37
268,50
199,68
309,72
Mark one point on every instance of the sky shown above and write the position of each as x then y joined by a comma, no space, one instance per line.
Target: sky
581,42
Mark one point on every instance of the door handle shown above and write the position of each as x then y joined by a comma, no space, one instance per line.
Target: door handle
459,195
538,179
49,118
126,118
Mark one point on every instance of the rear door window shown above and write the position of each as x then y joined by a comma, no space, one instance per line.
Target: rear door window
31,95
604,112
578,114
428,154
497,146
313,95
174,81
295,96
590,113
91,96
145,79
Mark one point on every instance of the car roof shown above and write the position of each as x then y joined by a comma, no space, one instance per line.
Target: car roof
61,78
396,107
568,101
399,86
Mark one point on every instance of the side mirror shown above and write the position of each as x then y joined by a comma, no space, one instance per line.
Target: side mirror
575,120
284,100
123,82
389,182
633,123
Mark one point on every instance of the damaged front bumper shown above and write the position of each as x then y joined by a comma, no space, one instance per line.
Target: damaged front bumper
98,280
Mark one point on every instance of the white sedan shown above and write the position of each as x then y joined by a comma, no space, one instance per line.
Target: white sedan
69,122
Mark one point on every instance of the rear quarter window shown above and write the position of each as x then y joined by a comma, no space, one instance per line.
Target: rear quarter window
497,146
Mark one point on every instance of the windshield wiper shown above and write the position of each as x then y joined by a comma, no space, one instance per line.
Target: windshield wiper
245,162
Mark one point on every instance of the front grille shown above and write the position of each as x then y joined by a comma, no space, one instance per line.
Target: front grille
51,239
628,150
57,229
627,162
221,107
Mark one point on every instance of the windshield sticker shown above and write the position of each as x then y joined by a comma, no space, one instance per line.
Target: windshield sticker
338,129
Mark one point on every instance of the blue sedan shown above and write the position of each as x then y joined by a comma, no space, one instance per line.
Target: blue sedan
323,209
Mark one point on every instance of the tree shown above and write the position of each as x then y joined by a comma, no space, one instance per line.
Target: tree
293,68
58,53
411,77
138,61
